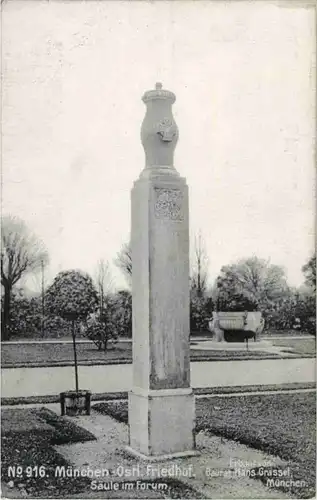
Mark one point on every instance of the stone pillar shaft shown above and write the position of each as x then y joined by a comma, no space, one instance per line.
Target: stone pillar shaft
160,263
161,404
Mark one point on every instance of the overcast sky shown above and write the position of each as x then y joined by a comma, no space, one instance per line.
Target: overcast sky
243,74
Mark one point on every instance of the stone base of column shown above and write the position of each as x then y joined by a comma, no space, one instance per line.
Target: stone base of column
162,423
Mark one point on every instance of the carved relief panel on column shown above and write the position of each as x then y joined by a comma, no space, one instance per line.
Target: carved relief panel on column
169,204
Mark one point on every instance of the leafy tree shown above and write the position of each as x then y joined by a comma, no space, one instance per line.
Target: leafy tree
201,308
72,296
55,326
306,312
116,320
96,329
236,302
254,279
309,271
21,252
108,322
25,315
306,307
297,307
123,313
100,327
280,314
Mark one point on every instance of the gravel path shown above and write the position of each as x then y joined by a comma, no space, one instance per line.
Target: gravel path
216,454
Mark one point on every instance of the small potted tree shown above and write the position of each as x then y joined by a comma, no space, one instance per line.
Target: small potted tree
72,296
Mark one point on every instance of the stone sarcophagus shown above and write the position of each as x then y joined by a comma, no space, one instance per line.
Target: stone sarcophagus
237,326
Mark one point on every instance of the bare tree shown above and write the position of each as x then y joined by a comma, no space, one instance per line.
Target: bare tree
124,261
40,280
103,281
199,276
21,252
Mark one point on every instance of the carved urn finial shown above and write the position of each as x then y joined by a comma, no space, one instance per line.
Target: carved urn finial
159,132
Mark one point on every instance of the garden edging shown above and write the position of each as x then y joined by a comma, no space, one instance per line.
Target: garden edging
109,396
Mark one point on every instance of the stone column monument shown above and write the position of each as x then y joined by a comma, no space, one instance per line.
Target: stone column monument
161,403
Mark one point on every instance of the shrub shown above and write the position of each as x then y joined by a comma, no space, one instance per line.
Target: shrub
201,308
236,303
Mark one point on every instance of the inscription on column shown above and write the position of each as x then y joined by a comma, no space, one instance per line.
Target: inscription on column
168,204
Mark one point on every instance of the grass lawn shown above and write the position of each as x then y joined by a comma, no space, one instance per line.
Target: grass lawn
57,354
279,424
286,333
50,354
28,437
302,347
219,355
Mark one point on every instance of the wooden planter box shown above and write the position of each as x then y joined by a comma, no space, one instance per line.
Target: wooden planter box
75,403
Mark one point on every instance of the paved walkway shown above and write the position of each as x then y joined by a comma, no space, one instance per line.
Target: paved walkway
22,382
